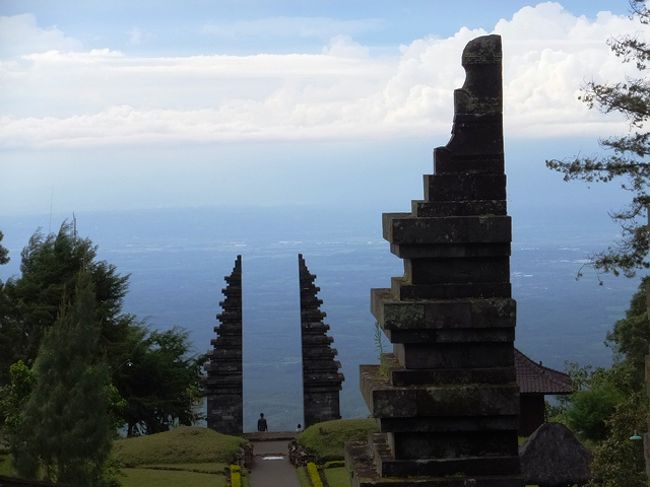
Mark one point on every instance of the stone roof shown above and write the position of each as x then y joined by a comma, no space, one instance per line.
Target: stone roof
534,378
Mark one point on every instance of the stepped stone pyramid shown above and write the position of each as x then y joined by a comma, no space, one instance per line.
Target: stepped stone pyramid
224,384
447,400
320,371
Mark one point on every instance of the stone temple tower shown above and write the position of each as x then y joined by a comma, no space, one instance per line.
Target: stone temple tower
320,371
224,384
446,400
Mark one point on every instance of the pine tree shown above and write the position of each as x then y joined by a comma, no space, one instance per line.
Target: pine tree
628,159
67,425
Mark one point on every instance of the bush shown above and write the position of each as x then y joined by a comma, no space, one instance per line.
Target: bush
314,476
326,440
589,410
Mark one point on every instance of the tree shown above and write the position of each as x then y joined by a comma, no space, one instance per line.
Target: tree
66,423
160,381
628,153
611,404
630,339
4,253
9,334
153,372
618,460
13,398
49,268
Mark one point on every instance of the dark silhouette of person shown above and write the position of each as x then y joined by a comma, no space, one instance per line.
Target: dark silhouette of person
261,423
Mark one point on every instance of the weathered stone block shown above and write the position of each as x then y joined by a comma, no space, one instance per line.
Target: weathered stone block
412,445
459,335
454,355
437,424
428,314
451,251
387,401
360,463
464,187
447,162
402,289
457,208
457,270
402,228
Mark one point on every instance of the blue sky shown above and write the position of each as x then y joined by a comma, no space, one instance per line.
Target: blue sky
117,105
180,27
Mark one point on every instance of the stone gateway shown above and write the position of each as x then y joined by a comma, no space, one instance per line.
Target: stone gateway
446,400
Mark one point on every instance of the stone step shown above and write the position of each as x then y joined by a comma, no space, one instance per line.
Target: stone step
421,208
402,289
403,228
395,314
473,400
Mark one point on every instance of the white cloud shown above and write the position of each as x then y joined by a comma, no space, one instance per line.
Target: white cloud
65,97
19,34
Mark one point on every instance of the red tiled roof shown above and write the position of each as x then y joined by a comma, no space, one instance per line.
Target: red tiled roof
534,378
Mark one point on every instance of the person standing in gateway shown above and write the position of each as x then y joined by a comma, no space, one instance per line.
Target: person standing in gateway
261,423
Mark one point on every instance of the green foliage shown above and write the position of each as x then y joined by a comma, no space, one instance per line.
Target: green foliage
159,380
156,381
14,395
179,445
4,253
629,153
66,425
326,440
630,338
314,475
49,267
13,399
618,460
589,410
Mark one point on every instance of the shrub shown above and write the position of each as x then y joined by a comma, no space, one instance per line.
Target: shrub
314,476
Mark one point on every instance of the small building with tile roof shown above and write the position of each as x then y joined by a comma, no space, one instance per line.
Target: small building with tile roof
536,381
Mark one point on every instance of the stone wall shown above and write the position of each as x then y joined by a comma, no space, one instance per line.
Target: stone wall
446,400
224,384
320,371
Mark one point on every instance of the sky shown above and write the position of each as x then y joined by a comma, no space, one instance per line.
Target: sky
123,105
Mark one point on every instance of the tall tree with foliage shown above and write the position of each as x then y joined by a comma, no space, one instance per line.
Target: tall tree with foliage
611,404
628,154
160,379
153,372
67,425
49,267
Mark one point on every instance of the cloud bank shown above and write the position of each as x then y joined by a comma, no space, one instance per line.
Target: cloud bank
54,93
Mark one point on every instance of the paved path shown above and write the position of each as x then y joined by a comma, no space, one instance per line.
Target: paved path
271,466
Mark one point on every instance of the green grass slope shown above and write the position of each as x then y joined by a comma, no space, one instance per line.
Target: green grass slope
184,444
326,439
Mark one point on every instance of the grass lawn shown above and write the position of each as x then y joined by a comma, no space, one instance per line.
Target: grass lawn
145,477
181,445
337,477
326,439
302,477
213,468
